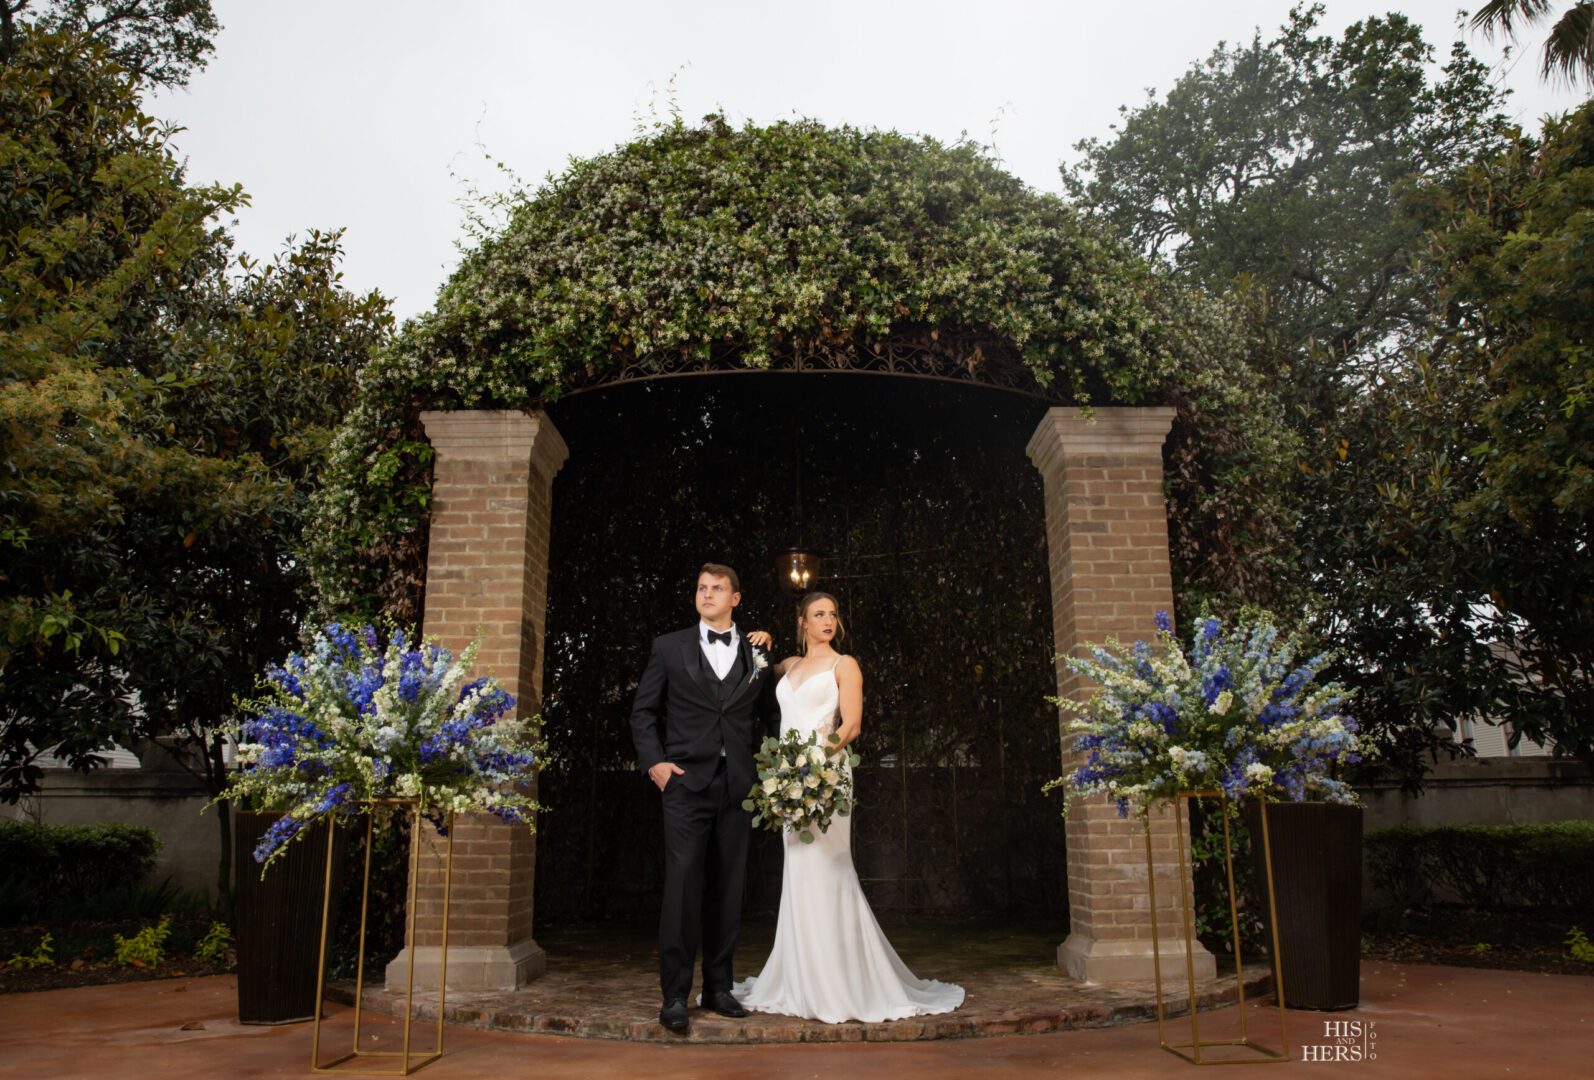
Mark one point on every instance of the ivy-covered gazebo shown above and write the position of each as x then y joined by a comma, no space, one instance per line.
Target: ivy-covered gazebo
796,249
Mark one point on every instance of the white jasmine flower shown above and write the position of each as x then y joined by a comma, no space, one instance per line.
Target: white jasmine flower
1258,773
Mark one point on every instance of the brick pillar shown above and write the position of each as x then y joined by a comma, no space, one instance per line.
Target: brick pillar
487,572
1107,541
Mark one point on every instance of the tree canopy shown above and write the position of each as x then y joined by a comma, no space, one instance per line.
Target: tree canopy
1513,242
95,220
1276,168
1413,301
164,405
157,42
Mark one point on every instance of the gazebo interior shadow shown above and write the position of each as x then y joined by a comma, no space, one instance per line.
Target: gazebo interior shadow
931,523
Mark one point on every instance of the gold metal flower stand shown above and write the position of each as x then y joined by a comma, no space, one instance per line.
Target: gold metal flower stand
1192,1051
357,1061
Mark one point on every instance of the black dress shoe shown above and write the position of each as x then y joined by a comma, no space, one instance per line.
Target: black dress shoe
724,1003
673,1015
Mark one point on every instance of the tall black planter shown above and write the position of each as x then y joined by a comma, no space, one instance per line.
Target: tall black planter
1317,875
279,920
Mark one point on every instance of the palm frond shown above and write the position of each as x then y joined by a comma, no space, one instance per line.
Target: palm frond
1569,50
1503,16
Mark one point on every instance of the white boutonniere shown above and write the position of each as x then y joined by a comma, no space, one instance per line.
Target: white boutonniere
760,661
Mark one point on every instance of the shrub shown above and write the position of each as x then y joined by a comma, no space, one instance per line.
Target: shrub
1492,866
1578,946
146,900
145,949
215,946
43,955
45,864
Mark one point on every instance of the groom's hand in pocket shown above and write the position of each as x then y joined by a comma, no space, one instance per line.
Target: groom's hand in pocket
662,772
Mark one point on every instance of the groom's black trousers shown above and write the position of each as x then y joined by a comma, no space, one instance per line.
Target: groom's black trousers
705,867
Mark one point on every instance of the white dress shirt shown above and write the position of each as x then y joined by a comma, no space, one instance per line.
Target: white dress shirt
719,655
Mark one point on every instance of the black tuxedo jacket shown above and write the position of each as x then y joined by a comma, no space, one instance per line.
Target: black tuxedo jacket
680,716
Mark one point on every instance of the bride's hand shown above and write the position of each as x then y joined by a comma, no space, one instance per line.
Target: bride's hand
760,639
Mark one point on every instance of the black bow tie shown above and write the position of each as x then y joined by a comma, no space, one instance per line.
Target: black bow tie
714,636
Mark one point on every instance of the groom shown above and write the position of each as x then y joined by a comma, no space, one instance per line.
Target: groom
704,702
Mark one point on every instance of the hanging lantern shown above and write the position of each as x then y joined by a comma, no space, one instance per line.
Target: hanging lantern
797,569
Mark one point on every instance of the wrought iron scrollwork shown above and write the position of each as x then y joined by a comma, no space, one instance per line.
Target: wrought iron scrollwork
936,355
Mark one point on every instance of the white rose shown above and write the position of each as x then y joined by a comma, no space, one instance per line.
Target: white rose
794,791
770,785
811,781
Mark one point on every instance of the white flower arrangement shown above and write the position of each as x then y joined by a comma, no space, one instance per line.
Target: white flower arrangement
800,786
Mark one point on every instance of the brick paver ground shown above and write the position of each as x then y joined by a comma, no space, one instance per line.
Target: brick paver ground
1428,1022
602,982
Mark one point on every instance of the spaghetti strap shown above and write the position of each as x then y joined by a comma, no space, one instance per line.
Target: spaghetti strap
834,663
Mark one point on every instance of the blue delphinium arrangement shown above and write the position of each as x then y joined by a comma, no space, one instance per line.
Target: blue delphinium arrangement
360,719
1238,711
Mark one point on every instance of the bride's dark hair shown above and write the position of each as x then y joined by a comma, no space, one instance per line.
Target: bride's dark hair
808,601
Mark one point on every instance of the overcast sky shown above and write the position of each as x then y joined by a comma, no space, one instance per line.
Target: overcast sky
371,114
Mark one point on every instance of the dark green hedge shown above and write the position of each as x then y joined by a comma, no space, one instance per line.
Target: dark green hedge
1547,865
39,863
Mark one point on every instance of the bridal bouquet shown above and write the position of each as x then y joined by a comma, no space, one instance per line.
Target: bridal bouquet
800,785
1237,711
361,719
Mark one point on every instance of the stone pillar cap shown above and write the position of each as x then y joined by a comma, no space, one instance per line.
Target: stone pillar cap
496,433
1110,430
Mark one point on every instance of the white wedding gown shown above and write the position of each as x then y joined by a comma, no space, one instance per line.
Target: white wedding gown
831,961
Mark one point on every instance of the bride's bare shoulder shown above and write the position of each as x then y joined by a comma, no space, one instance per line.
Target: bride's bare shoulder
785,665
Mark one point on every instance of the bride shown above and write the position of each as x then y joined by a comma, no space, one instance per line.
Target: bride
830,961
